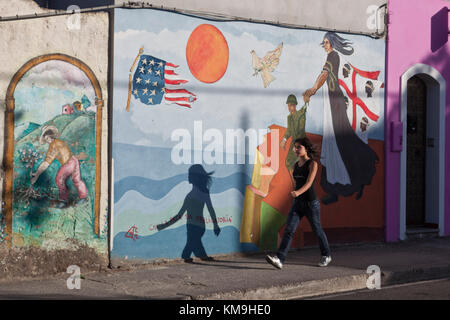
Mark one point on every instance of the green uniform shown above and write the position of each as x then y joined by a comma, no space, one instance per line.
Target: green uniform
296,129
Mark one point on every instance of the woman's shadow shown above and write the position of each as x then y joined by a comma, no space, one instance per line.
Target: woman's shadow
194,203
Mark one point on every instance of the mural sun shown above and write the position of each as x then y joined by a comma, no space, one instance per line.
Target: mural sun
207,53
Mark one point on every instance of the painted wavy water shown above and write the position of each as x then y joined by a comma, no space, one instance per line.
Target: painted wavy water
135,201
157,189
149,189
158,245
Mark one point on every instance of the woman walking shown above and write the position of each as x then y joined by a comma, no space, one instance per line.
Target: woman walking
305,204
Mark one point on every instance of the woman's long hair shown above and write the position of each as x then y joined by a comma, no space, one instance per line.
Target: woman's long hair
199,177
310,148
338,43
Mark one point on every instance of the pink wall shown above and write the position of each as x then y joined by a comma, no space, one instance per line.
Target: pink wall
411,41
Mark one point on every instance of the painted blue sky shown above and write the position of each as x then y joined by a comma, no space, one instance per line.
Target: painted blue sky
45,88
237,95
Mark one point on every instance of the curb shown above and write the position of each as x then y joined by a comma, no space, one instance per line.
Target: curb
315,288
293,291
414,275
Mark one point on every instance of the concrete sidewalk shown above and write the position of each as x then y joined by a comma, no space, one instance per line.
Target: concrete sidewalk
250,277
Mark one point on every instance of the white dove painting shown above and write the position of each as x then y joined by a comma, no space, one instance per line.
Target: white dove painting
266,65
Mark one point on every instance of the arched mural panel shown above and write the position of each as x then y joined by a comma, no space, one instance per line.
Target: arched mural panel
52,157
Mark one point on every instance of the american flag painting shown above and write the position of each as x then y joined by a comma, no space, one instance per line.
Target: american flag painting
155,80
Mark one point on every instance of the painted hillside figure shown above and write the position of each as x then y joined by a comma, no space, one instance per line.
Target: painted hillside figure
193,204
296,121
70,166
77,107
348,164
67,109
86,103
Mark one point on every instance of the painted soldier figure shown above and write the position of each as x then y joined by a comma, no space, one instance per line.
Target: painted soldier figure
296,121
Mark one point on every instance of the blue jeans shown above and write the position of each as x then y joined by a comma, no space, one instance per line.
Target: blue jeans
312,212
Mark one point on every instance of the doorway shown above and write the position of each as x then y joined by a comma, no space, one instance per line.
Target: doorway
415,153
422,158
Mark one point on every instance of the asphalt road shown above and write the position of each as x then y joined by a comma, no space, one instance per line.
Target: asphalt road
424,290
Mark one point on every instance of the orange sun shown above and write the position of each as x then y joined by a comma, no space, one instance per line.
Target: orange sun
207,53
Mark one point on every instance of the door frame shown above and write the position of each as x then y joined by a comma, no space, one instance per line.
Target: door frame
8,161
432,99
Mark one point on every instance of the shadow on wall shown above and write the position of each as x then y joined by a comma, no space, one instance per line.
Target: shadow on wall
439,29
193,204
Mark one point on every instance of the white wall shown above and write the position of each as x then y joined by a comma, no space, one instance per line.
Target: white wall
332,14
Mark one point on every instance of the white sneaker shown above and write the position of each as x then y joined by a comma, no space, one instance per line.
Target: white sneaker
275,261
324,261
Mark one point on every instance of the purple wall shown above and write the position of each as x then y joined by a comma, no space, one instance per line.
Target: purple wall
417,33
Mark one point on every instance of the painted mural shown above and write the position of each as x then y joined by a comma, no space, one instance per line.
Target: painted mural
54,158
204,117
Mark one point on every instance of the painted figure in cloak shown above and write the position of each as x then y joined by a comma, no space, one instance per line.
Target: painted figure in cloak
70,167
348,164
296,121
